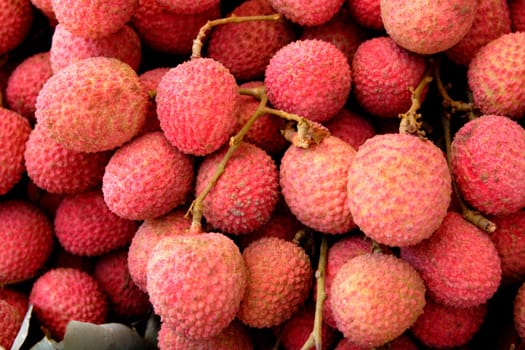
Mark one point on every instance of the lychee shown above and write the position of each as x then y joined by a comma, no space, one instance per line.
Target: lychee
92,105
340,31
25,83
167,31
519,311
427,27
147,178
458,263
27,236
16,17
351,127
517,14
65,294
14,132
85,226
375,298
125,299
16,298
279,279
509,239
496,76
94,18
10,322
196,283
246,48
311,78
149,80
59,170
314,184
307,13
235,336
492,20
149,233
384,74
442,326
399,188
244,197
366,13
67,48
197,105
487,159
182,6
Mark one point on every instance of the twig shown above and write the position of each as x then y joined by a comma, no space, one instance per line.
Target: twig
315,338
470,215
411,120
198,42
448,102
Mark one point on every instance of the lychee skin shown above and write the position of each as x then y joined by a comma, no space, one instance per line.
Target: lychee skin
27,236
65,294
59,170
16,18
427,28
18,299
443,326
197,105
487,162
102,107
67,48
458,263
279,279
519,311
235,336
14,132
25,83
367,13
94,18
492,20
10,321
188,7
85,226
196,283
307,13
509,239
149,233
125,299
517,14
361,310
399,189
318,196
244,197
495,76
246,48
311,78
150,80
351,127
166,31
383,74
162,181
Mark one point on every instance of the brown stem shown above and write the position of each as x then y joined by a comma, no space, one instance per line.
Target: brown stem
198,42
316,338
448,102
235,142
470,215
411,120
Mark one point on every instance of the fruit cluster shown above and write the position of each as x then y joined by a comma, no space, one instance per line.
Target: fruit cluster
264,171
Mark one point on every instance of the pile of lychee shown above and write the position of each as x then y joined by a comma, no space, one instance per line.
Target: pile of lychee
264,174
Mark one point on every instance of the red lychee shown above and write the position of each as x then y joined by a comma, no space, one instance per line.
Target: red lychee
351,127
367,13
307,13
16,17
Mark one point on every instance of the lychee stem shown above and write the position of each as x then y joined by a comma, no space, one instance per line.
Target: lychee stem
315,337
308,131
470,215
448,102
235,142
198,42
411,120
